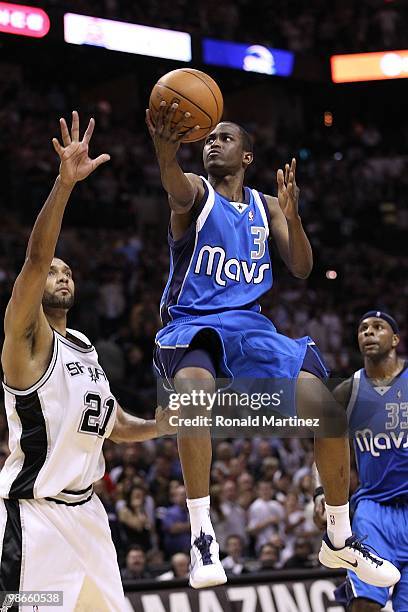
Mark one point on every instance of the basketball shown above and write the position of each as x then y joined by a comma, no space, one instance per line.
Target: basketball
196,93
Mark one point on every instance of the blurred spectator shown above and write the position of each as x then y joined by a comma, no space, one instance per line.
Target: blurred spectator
176,525
303,555
135,568
246,490
264,515
135,521
180,564
268,557
155,561
233,563
132,462
159,480
234,515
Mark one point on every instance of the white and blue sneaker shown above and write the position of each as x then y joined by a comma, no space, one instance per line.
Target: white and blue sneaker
206,569
361,559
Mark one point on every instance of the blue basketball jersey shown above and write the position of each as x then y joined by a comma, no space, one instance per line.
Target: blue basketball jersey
378,420
222,262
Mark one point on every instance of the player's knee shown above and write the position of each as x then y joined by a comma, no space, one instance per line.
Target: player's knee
193,378
196,383
364,605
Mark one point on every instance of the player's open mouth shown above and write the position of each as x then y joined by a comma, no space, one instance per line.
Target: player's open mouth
213,153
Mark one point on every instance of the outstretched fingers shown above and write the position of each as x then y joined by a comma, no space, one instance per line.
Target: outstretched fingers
293,170
161,117
188,132
89,131
281,179
75,126
176,134
101,159
286,173
168,120
66,138
58,148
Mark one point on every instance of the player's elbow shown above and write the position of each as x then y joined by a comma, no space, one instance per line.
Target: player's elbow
302,273
180,207
116,436
119,432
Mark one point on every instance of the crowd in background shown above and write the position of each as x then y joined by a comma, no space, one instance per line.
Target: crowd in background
353,177
303,27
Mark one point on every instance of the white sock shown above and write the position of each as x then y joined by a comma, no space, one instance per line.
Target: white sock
338,524
199,510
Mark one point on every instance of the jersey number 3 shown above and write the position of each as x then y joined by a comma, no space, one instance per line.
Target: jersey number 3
95,417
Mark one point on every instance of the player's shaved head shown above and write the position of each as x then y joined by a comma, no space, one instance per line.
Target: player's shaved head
56,261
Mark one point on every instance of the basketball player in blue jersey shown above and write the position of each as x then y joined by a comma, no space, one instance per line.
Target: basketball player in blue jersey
376,400
220,266
54,531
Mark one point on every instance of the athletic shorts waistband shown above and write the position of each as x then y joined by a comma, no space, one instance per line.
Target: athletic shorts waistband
72,498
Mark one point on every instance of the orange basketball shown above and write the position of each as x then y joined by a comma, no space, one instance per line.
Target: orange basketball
195,92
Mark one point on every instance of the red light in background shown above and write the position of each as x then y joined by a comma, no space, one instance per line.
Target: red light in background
331,274
23,20
328,119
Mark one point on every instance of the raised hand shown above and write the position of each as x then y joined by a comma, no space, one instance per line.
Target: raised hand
76,164
167,137
288,191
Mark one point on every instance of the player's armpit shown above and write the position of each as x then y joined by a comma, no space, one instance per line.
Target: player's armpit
26,351
279,228
24,310
181,218
342,392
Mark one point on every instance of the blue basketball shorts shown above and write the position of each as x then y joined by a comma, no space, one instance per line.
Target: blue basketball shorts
386,528
241,344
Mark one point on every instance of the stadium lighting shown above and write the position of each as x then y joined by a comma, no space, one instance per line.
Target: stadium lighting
127,37
369,66
252,58
23,20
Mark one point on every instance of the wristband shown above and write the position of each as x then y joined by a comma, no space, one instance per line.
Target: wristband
318,491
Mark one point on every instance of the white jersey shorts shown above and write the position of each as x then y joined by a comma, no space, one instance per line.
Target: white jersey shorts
51,546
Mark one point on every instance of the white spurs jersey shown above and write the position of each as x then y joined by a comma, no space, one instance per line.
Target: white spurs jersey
57,426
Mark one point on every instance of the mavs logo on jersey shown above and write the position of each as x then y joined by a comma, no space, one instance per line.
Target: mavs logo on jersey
229,268
378,420
222,262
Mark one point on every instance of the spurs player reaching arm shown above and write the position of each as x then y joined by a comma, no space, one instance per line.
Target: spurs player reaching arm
28,334
59,410
44,280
